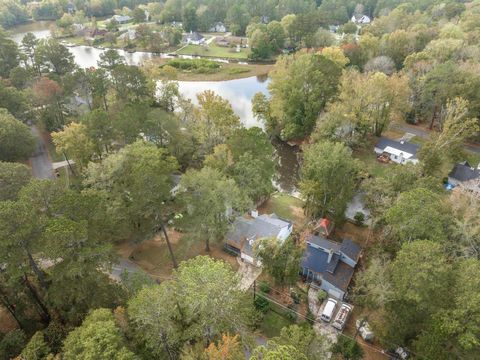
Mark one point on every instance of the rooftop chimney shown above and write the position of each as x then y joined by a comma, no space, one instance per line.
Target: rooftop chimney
330,254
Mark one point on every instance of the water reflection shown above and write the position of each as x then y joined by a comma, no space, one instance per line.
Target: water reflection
238,92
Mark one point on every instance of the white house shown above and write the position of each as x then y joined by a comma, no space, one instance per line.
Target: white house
246,231
361,19
400,152
218,27
194,38
122,19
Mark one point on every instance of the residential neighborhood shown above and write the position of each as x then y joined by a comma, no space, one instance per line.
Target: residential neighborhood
230,180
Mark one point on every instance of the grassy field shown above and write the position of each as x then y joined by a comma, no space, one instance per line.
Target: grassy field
153,256
213,50
285,206
273,323
224,72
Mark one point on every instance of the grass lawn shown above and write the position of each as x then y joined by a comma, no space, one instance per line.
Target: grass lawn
273,323
224,72
153,256
285,206
371,164
213,50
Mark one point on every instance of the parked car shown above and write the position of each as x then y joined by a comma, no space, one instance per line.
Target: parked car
342,316
328,310
364,330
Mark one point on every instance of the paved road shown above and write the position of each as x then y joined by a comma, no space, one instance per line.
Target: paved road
122,266
40,161
424,133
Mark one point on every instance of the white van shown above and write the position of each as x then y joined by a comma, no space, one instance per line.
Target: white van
328,310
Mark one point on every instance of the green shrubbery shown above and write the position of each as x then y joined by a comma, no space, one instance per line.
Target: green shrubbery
201,66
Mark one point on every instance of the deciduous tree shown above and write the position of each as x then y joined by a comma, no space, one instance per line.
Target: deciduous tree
328,179
16,139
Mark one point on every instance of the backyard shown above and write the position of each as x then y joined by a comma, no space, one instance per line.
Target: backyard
213,50
286,207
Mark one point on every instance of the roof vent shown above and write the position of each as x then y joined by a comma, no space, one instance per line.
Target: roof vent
402,142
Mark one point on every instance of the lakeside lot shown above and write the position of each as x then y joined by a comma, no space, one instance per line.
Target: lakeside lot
213,50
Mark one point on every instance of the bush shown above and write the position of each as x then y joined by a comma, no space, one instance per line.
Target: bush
291,315
237,70
261,304
264,287
322,295
196,65
359,218
348,348
12,344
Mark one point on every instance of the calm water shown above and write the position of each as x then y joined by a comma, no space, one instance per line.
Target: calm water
238,92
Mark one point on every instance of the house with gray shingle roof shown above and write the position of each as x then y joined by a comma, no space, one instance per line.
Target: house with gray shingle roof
330,265
246,231
400,152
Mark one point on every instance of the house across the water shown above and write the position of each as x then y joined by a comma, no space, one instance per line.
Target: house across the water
194,38
400,152
330,265
246,231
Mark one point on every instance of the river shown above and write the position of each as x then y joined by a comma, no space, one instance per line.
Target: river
238,92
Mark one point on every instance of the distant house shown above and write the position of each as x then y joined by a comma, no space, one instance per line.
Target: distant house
122,19
194,38
361,19
466,177
219,27
245,232
329,265
400,152
463,172
95,34
71,8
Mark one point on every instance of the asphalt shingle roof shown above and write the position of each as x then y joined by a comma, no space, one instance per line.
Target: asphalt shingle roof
350,249
402,146
263,226
464,172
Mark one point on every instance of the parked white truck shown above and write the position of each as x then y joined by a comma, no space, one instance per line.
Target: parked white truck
342,316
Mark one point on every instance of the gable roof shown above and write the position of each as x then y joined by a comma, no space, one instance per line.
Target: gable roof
323,242
122,18
350,249
402,146
464,172
194,36
336,272
245,229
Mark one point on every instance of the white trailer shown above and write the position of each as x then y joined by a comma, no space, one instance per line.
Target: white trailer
342,316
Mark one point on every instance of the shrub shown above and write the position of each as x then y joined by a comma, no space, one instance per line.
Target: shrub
197,65
12,344
322,295
291,315
264,287
237,70
261,304
359,218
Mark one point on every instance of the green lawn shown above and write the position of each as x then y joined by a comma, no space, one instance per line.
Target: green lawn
213,50
285,206
273,323
370,163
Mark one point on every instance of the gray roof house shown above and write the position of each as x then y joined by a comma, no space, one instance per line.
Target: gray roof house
245,231
400,152
122,19
194,38
330,265
465,177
